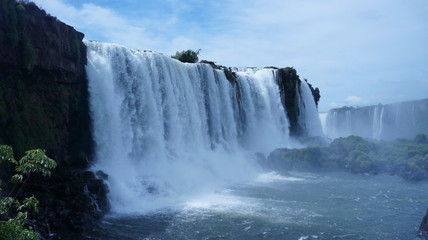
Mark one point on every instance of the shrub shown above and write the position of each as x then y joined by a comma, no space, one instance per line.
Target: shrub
421,139
187,56
13,211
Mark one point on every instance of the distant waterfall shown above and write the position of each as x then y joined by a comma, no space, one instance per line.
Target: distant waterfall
381,122
377,122
165,130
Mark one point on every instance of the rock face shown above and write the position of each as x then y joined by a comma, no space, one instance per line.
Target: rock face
424,224
44,104
289,85
289,82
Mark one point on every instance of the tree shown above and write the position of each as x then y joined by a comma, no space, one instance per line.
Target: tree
13,212
187,56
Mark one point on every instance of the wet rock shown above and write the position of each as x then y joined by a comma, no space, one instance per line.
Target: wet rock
424,224
44,104
101,175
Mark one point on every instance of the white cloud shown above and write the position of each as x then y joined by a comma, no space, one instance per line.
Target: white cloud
372,49
355,100
100,23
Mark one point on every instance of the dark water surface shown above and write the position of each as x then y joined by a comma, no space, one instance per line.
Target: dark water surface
299,206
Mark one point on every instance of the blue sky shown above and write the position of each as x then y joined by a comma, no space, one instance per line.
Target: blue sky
358,52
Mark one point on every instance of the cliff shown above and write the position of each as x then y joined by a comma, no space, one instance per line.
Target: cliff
44,104
289,87
424,224
289,84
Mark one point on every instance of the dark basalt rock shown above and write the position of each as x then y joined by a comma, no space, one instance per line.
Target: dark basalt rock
289,83
424,224
44,104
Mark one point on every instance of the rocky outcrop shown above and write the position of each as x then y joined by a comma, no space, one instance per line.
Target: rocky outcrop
43,84
289,84
44,104
424,224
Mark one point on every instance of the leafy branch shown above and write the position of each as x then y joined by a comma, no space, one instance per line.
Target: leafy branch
34,161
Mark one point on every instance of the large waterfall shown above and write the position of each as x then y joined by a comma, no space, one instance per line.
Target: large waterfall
381,122
308,117
165,130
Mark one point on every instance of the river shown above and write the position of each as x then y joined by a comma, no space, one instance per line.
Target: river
296,206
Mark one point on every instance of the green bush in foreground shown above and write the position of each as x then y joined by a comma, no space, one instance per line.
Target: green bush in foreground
13,212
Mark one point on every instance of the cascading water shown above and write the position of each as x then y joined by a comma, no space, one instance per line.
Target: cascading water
381,122
378,123
263,120
309,116
165,130
171,135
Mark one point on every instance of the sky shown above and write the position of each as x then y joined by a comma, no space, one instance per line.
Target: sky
357,52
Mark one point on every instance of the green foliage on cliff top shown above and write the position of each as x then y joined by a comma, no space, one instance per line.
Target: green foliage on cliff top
14,19
13,210
404,157
187,56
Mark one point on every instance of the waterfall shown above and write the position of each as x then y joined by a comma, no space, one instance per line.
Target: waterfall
264,123
165,130
375,121
331,128
381,122
309,116
348,122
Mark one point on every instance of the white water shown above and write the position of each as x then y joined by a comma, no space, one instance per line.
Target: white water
381,122
166,132
309,116
293,206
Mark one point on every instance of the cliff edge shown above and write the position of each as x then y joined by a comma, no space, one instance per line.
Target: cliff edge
44,104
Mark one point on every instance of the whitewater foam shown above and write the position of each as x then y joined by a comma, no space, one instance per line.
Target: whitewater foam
274,176
166,132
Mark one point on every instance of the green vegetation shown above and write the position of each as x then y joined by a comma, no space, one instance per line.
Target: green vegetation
15,20
187,56
25,122
28,56
13,211
404,157
75,47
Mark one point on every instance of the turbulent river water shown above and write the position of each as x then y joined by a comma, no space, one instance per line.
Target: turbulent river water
298,206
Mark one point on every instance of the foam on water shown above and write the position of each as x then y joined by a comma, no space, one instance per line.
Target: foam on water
166,132
274,176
